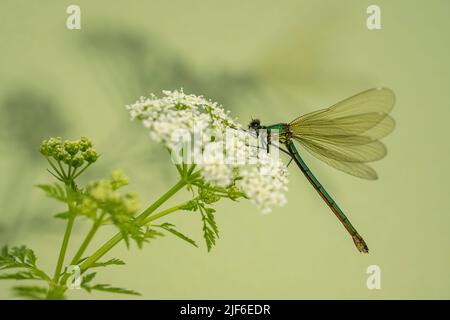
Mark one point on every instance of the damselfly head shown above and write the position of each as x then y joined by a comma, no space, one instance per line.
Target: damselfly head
255,124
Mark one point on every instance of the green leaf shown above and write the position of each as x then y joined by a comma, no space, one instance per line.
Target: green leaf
31,292
169,227
190,206
20,275
211,220
85,284
210,229
54,191
20,258
113,261
17,257
109,288
152,234
62,215
86,279
145,235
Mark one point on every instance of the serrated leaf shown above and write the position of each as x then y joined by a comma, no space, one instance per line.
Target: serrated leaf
169,227
191,206
20,258
109,288
211,220
130,229
113,261
54,191
152,234
20,275
17,257
210,229
102,287
31,292
85,279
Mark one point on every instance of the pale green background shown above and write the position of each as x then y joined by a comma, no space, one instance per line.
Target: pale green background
268,59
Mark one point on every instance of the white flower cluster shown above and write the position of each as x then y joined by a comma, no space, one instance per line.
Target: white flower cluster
266,184
215,143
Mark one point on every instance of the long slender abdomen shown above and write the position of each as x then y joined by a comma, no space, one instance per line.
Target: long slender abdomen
357,239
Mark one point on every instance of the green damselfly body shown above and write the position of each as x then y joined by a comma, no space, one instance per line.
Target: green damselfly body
345,136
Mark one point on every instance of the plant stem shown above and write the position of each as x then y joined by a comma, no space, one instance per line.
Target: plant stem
87,240
82,170
69,171
62,170
177,187
62,252
101,251
53,166
191,169
164,213
139,220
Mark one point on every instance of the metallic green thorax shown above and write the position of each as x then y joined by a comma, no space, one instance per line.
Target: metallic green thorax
282,129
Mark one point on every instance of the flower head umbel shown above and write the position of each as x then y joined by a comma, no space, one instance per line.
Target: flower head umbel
102,200
68,158
202,134
266,184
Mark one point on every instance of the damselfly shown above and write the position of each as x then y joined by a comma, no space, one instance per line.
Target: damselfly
345,136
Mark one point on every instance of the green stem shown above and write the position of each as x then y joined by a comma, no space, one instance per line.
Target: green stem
101,251
69,171
177,187
53,166
82,170
87,240
139,220
55,176
74,171
191,169
180,171
62,251
164,213
62,170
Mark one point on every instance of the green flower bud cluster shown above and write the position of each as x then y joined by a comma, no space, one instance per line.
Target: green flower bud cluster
72,153
234,193
208,197
103,195
118,179
191,206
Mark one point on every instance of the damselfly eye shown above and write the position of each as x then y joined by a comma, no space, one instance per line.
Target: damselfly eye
255,124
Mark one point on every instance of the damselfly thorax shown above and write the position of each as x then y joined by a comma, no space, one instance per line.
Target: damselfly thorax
280,131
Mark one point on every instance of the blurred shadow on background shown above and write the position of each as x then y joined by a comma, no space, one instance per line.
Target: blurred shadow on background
27,117
129,65
303,63
138,65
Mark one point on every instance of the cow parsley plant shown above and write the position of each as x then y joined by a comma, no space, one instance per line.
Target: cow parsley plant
215,158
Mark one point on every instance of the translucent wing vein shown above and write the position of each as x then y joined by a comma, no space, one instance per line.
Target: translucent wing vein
345,136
